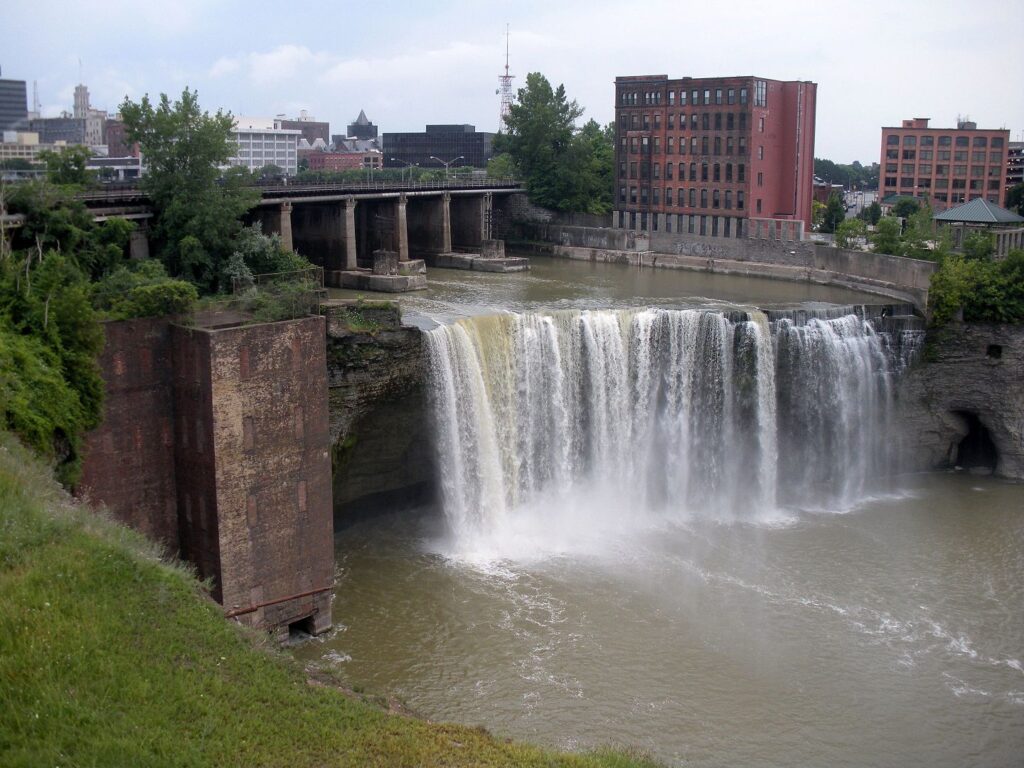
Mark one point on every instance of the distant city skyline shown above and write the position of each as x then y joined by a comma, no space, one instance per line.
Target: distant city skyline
409,64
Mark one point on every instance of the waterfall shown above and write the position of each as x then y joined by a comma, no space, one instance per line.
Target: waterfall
729,415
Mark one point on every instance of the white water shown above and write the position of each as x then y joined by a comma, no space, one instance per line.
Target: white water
554,427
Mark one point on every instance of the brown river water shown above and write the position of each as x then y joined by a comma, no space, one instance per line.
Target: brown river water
886,630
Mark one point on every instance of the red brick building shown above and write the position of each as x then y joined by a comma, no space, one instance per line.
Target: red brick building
947,166
705,156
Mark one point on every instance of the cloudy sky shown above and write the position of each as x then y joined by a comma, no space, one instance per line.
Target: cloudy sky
411,63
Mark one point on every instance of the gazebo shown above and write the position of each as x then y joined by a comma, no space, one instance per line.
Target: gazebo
979,215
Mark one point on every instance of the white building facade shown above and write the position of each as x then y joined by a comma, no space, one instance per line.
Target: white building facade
261,141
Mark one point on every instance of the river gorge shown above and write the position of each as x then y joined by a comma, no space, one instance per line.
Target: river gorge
674,511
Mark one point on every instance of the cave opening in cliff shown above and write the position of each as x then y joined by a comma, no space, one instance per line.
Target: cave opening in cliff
976,450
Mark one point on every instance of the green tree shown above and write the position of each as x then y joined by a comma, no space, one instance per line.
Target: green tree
918,235
872,213
985,291
818,214
198,210
502,167
979,245
1015,199
848,231
905,208
540,141
835,213
886,238
68,165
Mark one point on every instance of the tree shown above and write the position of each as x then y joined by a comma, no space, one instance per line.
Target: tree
501,167
887,236
561,170
818,209
835,213
872,213
918,235
979,246
905,208
198,210
1015,199
848,231
68,166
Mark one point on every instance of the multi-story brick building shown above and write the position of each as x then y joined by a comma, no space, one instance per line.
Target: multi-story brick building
946,166
704,156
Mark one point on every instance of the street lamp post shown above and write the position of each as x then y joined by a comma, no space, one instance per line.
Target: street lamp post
405,165
450,162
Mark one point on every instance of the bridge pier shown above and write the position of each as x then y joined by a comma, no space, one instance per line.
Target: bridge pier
348,233
401,228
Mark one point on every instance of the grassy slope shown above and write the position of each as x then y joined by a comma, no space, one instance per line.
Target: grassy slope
110,657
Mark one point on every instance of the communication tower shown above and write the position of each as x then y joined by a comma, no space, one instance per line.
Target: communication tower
505,88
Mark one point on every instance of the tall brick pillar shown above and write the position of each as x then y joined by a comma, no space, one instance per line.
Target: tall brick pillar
446,223
348,233
285,228
401,228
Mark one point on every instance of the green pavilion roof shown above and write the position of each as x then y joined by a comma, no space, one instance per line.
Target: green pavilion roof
979,211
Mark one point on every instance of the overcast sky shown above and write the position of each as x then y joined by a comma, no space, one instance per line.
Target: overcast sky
411,63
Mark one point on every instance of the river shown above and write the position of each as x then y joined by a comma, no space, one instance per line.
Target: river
876,622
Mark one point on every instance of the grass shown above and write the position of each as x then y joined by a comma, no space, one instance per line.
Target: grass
110,656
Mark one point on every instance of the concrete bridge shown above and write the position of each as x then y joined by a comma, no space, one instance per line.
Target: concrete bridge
339,226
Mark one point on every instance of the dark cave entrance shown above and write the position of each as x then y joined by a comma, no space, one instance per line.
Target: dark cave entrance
976,450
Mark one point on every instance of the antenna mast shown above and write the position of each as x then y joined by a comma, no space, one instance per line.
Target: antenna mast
505,88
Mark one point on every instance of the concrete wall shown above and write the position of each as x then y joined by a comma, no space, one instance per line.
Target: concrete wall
129,459
892,276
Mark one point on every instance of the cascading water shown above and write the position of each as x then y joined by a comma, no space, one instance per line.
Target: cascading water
625,413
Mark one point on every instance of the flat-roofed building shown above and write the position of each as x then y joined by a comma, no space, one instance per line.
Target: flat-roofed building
262,141
945,166
707,156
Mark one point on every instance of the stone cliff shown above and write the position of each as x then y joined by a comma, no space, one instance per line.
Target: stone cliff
962,404
380,450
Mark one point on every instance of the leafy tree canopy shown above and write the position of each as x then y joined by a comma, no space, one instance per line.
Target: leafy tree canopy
564,168
853,175
1015,199
198,208
67,165
835,213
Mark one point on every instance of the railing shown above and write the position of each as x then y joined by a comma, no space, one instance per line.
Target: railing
131,191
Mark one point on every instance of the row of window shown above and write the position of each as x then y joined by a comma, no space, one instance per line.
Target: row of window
703,145
710,96
893,140
909,182
714,226
708,171
636,121
960,156
942,169
698,198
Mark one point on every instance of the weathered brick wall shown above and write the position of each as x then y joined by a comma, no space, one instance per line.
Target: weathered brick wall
194,453
273,474
129,458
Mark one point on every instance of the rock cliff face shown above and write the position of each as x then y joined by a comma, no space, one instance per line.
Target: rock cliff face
380,448
962,404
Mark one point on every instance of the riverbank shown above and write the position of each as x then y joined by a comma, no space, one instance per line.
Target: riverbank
110,655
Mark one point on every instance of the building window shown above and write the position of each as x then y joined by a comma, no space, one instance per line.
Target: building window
632,195
634,121
657,170
671,98
925,154
728,199
705,121
760,152
671,120
908,169
760,93
890,181
682,98
704,225
743,95
717,172
997,142
718,96
909,154
760,125
743,145
728,145
682,145
644,195
668,170
730,96
910,141
925,169
715,199
670,146
978,156
728,171
695,97
693,145
728,220
704,171
892,140
645,145
645,171
962,141
657,145
995,157
632,169
693,173
622,169
693,121
718,145
704,145
657,121
907,182
980,141
743,121
707,96
760,179
622,194
703,198
730,121
718,121
668,200
758,205
741,172
657,195
960,156
892,154
690,223
693,201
